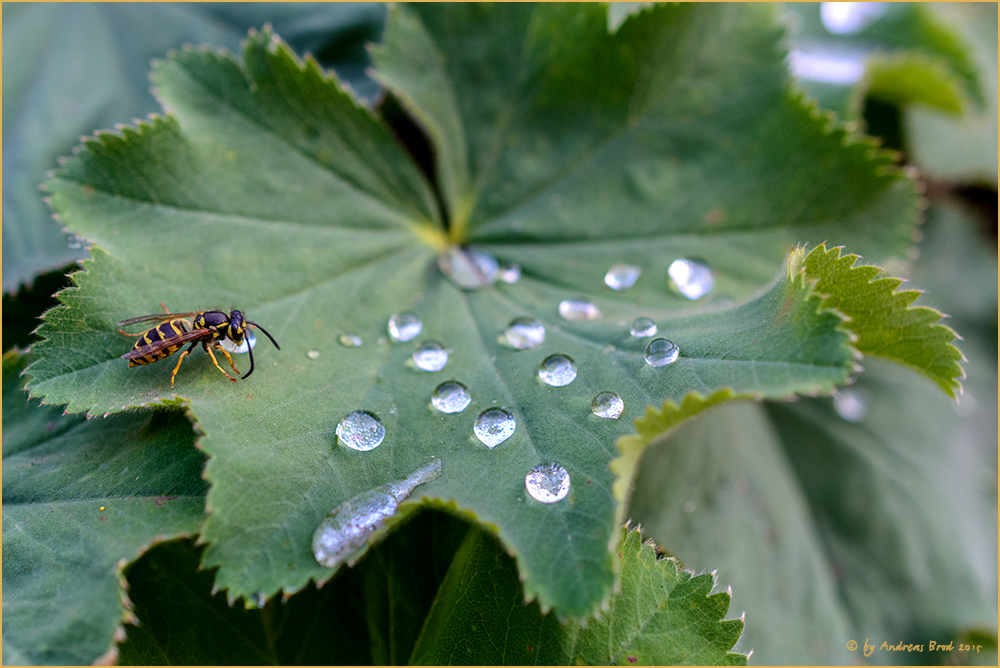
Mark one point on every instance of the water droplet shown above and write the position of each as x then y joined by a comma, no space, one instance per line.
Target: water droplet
850,405
844,18
404,326
577,309
691,277
643,327
661,352
430,356
234,349
350,340
73,241
524,333
622,276
607,405
451,397
360,430
468,268
557,370
510,273
349,526
494,426
313,354
547,483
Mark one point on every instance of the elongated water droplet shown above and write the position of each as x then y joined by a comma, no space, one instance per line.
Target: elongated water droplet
557,370
349,526
510,273
850,405
350,340
577,309
468,268
661,352
451,397
234,349
691,277
607,405
525,333
622,276
313,354
643,327
404,326
430,356
360,430
494,426
547,483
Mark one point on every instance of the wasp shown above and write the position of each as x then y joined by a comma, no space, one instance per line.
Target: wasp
175,330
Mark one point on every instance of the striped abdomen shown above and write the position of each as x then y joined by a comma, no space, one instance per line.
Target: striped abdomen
162,332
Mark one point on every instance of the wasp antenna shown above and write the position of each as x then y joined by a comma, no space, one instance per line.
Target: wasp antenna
249,350
250,322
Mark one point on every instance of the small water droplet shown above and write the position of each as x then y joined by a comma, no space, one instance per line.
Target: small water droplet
547,483
350,340
73,241
643,327
349,526
494,426
661,352
430,356
691,277
404,326
557,370
234,349
468,268
578,309
622,276
313,354
510,273
451,397
360,430
850,405
607,405
525,333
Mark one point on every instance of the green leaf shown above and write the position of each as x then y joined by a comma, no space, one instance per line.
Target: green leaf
79,499
270,190
660,616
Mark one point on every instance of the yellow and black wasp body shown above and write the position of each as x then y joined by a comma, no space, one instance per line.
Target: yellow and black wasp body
205,327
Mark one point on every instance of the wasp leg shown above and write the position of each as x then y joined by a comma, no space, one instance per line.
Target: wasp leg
215,361
228,357
122,331
177,368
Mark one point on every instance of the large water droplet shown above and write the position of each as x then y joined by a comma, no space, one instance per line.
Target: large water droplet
349,526
691,277
430,356
404,326
547,483
622,276
607,405
360,430
234,349
510,273
468,268
524,333
350,340
643,327
661,352
557,370
578,309
850,405
451,397
494,426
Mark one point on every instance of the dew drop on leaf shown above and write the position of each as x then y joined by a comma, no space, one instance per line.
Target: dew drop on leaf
234,349
313,354
547,483
850,405
622,276
557,370
404,326
578,309
525,333
430,356
360,430
350,340
661,352
468,268
349,526
451,397
607,405
690,277
510,273
643,327
494,426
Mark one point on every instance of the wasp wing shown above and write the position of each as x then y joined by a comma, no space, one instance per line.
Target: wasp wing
161,317
157,346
